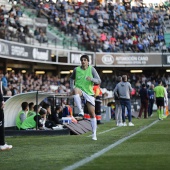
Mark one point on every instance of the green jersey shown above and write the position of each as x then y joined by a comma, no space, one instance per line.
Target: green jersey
30,113
29,123
18,119
81,82
159,91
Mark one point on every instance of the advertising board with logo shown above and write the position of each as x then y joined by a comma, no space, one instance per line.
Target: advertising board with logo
128,60
15,50
75,58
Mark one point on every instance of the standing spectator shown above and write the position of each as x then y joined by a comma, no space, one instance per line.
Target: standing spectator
84,77
122,91
144,101
118,111
151,100
4,80
160,94
3,146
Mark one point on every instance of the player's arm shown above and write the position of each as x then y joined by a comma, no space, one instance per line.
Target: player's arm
96,78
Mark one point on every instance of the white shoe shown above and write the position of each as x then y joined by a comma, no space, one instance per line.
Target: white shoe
117,124
121,124
124,124
57,127
5,147
131,124
94,137
81,113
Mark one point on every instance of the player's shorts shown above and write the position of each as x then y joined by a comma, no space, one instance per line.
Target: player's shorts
160,101
88,98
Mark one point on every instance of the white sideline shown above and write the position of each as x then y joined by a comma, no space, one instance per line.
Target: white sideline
105,131
92,157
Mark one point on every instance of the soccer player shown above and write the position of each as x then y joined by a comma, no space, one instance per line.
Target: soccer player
85,76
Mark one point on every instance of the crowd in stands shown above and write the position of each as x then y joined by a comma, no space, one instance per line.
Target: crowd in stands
13,28
100,27
108,27
20,83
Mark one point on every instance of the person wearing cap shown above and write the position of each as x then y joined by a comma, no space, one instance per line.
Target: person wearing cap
3,145
83,77
122,91
35,120
143,92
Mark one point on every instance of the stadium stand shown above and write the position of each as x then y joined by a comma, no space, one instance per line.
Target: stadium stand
94,26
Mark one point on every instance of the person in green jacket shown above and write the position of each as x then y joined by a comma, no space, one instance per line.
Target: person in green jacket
36,120
22,115
84,77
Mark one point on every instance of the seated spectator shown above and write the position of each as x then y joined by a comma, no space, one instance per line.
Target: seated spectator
18,11
42,38
34,121
37,32
140,47
161,37
49,123
22,115
57,115
26,31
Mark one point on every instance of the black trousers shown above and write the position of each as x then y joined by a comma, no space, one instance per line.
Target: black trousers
2,131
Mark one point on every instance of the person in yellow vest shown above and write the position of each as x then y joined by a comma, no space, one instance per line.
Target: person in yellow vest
84,77
98,101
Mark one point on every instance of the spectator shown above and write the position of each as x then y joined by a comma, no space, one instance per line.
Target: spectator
122,91
144,101
151,100
118,111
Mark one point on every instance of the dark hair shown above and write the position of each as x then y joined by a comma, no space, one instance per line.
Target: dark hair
159,81
84,56
57,107
36,107
46,105
30,105
124,78
143,85
24,105
42,111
